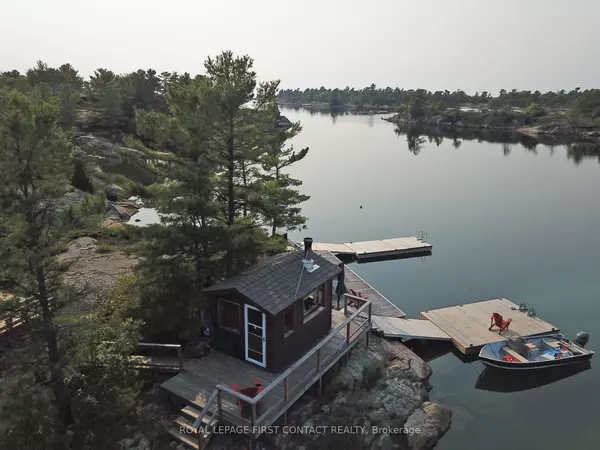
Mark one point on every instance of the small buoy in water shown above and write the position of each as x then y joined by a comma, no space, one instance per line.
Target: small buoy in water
137,220
360,206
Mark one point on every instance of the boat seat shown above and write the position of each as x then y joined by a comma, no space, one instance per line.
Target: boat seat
514,354
552,343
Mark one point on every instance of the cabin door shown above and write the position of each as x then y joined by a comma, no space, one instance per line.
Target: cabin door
256,336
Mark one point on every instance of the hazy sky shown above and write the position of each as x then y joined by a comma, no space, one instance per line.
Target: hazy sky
434,44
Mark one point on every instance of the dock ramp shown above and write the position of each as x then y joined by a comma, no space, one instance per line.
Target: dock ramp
381,306
407,329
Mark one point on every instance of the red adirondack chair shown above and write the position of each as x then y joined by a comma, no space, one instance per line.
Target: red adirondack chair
253,391
354,302
498,321
249,391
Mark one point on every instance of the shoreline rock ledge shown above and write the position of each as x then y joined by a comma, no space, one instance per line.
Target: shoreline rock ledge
384,387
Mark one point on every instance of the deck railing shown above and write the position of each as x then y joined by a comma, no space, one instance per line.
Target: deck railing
156,363
28,309
297,379
175,347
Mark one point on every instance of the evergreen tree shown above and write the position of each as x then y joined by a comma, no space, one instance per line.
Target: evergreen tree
186,255
35,157
240,117
109,96
63,82
416,106
280,198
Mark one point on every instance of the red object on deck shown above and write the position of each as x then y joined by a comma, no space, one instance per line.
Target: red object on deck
248,392
246,408
354,302
251,391
509,358
498,321
357,294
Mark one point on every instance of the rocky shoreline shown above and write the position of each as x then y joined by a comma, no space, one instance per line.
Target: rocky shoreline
559,128
378,401
384,387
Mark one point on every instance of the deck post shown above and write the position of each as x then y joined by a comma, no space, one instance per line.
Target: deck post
319,360
320,387
348,333
220,404
369,324
340,280
345,305
285,389
180,358
253,414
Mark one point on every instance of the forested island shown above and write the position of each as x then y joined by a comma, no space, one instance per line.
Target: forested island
214,154
82,287
574,114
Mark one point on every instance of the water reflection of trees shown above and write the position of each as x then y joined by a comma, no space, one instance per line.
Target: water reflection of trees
415,142
335,112
576,151
580,151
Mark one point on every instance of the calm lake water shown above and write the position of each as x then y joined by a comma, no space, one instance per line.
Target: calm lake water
522,226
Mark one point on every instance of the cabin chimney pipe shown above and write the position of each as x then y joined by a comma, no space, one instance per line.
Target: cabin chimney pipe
307,246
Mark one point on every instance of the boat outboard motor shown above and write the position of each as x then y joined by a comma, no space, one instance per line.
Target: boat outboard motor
582,338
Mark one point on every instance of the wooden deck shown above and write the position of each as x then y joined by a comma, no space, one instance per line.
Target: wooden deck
407,329
468,324
378,249
381,306
198,382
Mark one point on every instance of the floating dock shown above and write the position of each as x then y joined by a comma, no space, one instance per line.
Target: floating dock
381,306
468,324
378,249
407,329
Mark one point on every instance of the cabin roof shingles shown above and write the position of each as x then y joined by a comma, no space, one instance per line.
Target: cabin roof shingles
272,284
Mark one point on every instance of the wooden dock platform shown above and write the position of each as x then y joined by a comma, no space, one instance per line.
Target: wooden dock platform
407,329
381,306
468,324
378,249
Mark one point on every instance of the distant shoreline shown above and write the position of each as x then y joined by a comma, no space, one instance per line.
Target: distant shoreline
325,107
560,127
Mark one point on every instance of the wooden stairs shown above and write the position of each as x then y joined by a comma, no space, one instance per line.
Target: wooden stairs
184,429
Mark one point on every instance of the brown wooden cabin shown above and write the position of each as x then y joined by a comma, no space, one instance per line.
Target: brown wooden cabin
274,312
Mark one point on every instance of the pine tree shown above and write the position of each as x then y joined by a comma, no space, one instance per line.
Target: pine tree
280,199
240,117
186,254
35,157
109,95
